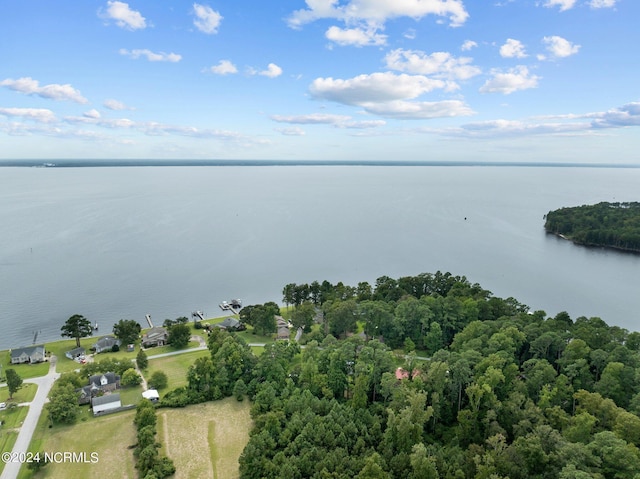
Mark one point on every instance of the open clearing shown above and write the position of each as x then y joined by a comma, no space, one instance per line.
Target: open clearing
205,440
109,436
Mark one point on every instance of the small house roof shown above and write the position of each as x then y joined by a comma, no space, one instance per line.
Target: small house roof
107,342
75,351
228,322
150,394
111,378
155,332
106,399
28,350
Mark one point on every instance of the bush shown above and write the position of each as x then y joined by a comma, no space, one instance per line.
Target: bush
131,378
158,380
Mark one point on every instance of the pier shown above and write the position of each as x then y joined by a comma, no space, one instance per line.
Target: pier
148,318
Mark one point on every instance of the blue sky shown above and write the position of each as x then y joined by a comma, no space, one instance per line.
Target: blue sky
460,80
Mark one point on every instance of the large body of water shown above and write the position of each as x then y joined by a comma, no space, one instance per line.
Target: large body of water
114,243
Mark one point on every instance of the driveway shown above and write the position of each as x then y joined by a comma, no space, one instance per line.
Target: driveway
28,427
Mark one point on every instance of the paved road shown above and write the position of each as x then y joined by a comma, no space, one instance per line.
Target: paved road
21,446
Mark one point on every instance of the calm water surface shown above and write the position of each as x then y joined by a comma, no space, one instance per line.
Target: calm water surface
113,243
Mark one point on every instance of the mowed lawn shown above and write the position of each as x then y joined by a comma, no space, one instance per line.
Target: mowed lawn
205,440
108,436
175,367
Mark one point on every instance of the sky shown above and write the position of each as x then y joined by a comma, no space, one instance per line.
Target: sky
424,80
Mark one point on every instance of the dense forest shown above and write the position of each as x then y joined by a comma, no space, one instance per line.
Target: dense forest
612,225
430,376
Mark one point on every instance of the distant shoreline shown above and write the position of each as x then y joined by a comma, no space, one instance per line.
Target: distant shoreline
596,246
88,163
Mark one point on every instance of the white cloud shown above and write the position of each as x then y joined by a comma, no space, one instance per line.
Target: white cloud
224,67
602,3
513,49
378,11
437,64
272,71
410,34
41,115
293,131
625,116
387,94
312,119
560,47
355,36
423,110
376,87
339,121
468,45
151,56
207,19
93,113
116,105
563,4
515,79
123,16
53,91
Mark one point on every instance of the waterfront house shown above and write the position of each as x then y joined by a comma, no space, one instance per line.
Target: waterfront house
75,353
106,344
230,324
156,336
29,354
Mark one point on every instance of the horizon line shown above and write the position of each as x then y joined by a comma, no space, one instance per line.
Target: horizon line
85,163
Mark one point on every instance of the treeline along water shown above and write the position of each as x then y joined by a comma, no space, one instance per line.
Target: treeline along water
118,243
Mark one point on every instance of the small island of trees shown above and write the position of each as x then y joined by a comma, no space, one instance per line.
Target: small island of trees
610,225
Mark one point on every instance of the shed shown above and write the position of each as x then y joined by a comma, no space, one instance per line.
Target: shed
151,394
105,403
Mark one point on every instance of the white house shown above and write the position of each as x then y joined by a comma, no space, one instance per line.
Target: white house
30,354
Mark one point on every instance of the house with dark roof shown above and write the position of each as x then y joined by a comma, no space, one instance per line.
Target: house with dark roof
29,354
105,344
230,324
105,403
283,328
156,336
98,385
75,353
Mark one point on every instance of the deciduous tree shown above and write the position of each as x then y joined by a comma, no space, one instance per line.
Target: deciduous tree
127,330
14,382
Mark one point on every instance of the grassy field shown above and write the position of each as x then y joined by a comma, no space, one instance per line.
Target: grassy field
7,440
26,393
205,440
175,367
12,419
109,436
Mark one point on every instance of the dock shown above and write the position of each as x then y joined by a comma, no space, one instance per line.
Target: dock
148,318
234,305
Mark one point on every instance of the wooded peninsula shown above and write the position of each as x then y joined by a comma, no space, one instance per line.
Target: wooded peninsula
610,225
429,376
